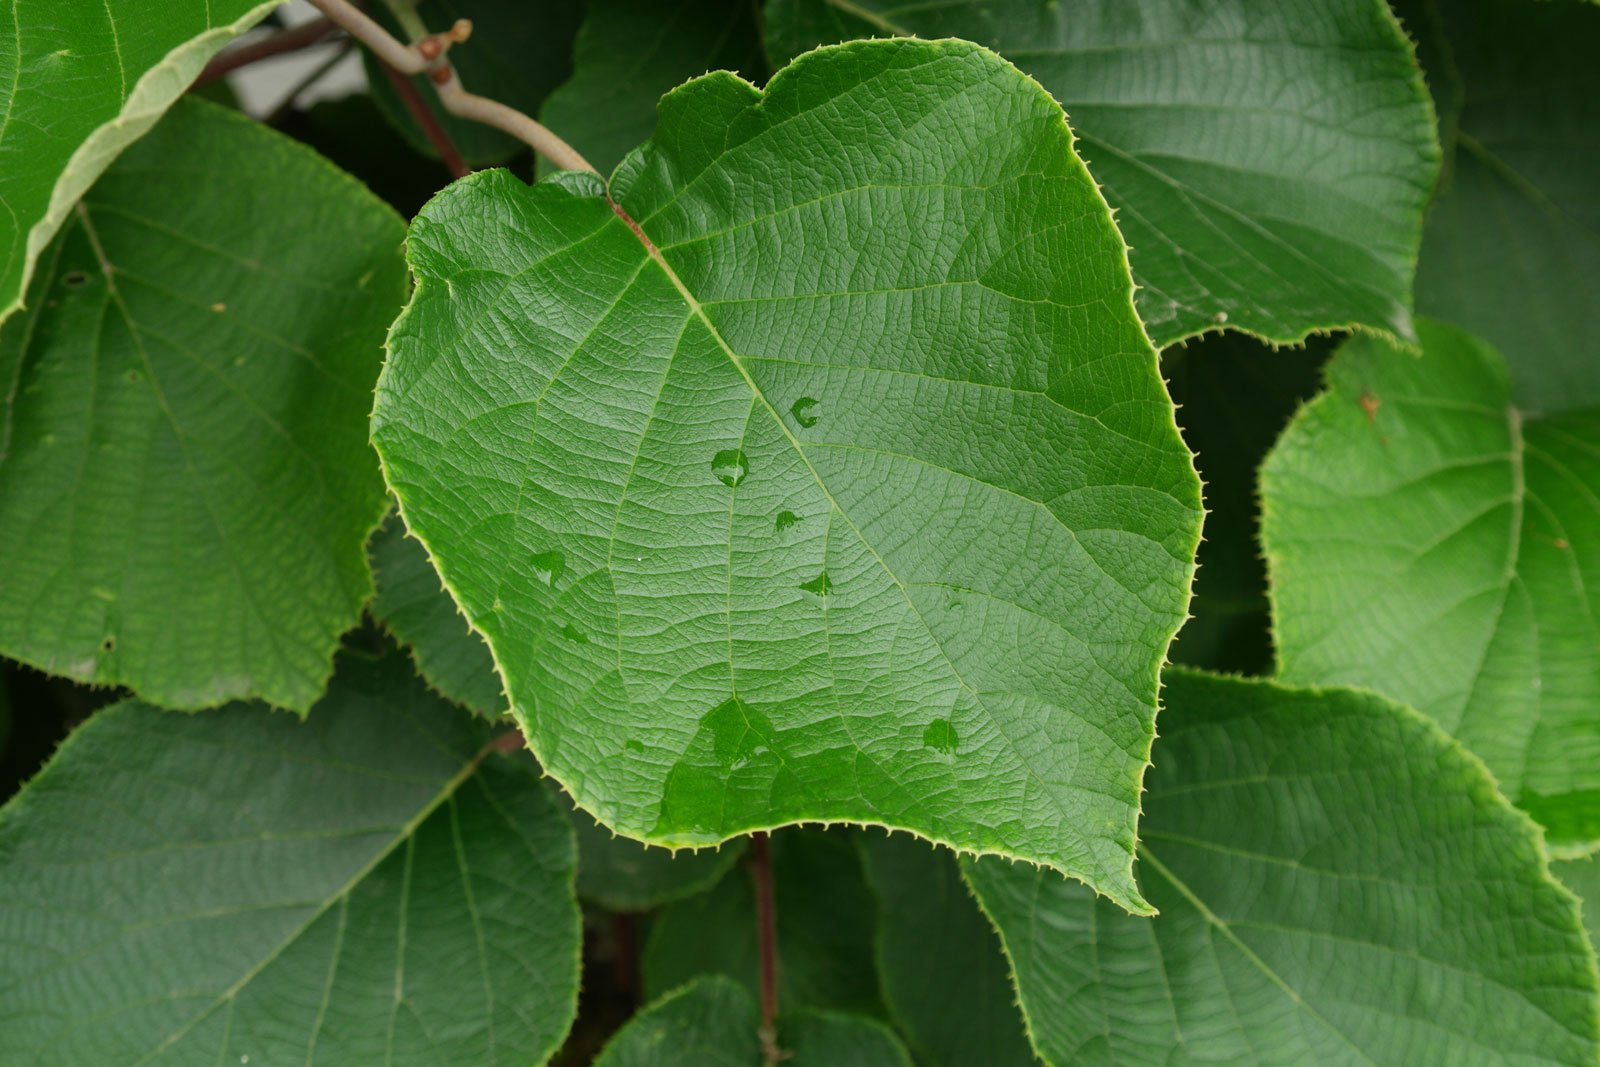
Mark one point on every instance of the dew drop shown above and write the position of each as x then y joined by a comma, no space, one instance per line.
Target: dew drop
819,585
730,466
786,519
736,730
547,567
634,745
573,634
940,736
801,410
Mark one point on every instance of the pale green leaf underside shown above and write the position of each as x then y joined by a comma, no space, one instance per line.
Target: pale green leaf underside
79,82
630,52
620,874
238,887
1269,162
412,605
185,480
1339,883
1428,540
1512,245
859,501
944,976
825,928
714,1023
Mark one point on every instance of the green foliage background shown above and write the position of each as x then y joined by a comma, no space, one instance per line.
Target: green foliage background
414,592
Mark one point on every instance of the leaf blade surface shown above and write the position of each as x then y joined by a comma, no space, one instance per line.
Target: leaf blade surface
372,885
1339,883
1428,539
85,81
1269,166
186,486
728,526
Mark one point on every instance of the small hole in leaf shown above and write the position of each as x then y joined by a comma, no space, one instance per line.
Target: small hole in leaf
75,279
108,644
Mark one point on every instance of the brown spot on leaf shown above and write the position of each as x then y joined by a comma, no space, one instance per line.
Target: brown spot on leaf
1370,404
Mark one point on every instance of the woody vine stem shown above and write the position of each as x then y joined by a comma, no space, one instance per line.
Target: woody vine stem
428,55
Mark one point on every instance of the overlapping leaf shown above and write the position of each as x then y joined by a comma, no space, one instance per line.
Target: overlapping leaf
825,928
621,874
375,885
1512,246
79,82
1339,883
715,1020
944,976
1430,540
840,485
630,52
185,481
1269,162
417,610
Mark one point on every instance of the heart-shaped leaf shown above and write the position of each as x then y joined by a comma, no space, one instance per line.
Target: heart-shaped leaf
186,487
374,885
1428,539
1269,162
1339,883
823,473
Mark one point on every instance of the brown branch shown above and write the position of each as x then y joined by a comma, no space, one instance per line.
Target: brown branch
767,941
428,56
302,36
432,128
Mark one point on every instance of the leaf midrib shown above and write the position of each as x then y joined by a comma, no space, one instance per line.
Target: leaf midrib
1216,922
402,836
760,396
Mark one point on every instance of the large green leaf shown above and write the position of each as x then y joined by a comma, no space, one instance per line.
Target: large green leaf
629,52
620,874
944,976
825,922
517,54
1428,539
416,609
1269,162
375,885
843,489
715,1021
1339,883
185,481
79,82
1512,245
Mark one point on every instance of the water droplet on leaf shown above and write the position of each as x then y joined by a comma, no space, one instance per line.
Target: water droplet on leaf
786,519
736,732
801,410
547,567
730,466
819,585
940,736
573,634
